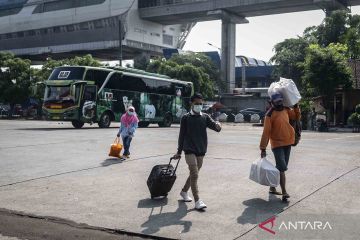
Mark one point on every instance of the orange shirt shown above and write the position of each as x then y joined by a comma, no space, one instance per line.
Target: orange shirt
278,130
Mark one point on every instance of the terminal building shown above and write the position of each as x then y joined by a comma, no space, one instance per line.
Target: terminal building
37,29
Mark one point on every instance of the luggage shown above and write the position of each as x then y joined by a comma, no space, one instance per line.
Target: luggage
115,148
161,179
264,173
288,90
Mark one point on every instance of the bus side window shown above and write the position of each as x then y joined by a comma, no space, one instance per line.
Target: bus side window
135,84
97,76
165,87
150,85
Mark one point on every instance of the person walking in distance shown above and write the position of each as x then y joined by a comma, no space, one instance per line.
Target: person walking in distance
129,123
193,141
281,134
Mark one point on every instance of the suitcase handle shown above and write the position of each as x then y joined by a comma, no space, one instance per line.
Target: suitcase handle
172,158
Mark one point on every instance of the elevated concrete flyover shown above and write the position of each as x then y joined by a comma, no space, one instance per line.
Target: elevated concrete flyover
175,11
231,12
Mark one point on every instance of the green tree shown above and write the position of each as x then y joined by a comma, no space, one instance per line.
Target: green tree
15,78
333,28
289,59
194,67
204,63
326,69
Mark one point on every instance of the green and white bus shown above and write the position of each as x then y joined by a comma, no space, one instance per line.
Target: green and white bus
101,95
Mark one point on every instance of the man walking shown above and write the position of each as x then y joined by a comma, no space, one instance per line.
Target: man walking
281,134
193,141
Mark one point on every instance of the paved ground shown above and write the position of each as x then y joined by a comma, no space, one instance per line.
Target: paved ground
60,180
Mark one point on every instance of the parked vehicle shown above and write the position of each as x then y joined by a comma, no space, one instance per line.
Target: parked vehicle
4,110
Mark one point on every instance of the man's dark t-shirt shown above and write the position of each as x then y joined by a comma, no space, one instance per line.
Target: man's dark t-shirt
193,135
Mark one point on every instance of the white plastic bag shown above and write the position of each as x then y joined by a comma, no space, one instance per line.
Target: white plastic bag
288,90
264,173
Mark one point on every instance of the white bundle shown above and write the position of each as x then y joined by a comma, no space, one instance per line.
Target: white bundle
223,117
255,118
239,118
288,90
264,173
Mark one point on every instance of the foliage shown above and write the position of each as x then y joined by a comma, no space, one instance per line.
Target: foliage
355,117
141,62
205,64
289,57
326,69
196,68
15,78
357,109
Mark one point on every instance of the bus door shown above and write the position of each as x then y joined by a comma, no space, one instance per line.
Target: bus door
88,104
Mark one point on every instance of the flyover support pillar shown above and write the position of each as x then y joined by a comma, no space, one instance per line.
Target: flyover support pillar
228,48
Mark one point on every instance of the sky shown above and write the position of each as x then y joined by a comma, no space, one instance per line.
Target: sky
257,38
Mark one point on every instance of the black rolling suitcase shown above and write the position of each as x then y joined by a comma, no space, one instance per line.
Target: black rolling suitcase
161,179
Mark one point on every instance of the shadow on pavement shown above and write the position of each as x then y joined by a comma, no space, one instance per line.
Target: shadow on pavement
159,220
111,161
258,210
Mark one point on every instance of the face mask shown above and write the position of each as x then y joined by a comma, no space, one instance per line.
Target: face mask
130,113
197,108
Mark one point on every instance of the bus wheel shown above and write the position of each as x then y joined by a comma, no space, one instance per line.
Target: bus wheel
166,121
105,120
77,124
144,124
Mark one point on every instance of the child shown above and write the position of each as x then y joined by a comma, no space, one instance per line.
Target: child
129,123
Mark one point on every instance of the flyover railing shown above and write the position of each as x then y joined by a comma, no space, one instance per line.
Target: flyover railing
158,3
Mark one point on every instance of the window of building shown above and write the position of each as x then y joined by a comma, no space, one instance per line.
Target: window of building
98,23
30,33
65,4
20,34
70,28
56,29
84,26
167,39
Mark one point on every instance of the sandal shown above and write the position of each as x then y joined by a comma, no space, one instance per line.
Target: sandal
275,192
285,197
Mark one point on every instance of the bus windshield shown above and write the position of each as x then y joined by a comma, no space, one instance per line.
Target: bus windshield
58,94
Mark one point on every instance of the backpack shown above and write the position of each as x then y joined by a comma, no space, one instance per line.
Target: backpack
296,124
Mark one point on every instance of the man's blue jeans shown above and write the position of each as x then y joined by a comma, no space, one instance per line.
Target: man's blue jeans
126,142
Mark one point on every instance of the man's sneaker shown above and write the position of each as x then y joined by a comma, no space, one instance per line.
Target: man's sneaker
185,196
200,205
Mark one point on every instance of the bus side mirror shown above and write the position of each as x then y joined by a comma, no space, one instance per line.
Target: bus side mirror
73,90
36,88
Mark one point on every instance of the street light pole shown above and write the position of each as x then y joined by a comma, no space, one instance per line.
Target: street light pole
120,43
210,44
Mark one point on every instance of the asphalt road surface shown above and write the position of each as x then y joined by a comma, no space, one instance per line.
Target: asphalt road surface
57,182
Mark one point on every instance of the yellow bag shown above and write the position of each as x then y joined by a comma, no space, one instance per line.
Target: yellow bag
115,148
